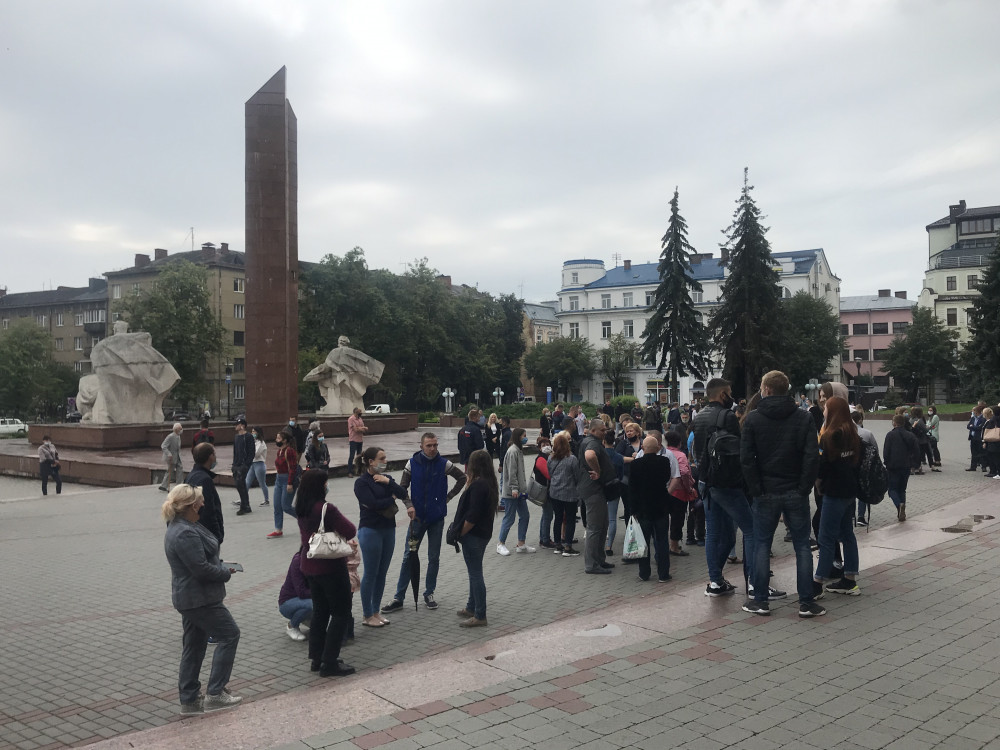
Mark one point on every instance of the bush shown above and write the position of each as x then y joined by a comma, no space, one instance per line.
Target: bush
428,417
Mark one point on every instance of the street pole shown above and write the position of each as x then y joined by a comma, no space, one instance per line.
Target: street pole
229,391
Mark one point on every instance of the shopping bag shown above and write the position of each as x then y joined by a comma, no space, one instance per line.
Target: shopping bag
635,543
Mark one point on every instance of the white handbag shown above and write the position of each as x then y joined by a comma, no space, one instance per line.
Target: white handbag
327,545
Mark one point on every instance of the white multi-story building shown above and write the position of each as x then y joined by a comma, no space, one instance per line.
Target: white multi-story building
595,303
958,249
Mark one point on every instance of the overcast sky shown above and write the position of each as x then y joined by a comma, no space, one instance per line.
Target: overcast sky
497,139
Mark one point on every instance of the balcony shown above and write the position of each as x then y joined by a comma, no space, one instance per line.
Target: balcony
962,261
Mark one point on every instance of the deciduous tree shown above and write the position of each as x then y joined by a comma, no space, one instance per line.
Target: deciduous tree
810,338
617,359
31,382
923,354
561,363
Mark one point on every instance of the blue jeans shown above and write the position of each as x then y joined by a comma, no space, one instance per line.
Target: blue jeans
862,508
545,529
612,522
836,524
433,532
725,506
376,554
283,500
473,549
766,512
296,610
897,480
512,507
258,472
355,450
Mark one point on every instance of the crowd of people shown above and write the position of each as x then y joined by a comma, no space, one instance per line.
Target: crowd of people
699,473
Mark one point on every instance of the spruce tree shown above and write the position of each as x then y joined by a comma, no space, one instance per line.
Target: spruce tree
674,337
745,326
980,358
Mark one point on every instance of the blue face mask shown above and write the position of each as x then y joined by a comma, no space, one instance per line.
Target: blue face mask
524,440
321,438
291,422
214,464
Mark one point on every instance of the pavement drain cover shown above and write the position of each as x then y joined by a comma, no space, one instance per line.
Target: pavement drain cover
608,631
966,524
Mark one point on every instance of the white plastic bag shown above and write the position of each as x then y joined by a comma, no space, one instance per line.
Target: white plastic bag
635,543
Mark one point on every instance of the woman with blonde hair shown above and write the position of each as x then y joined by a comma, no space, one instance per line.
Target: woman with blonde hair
198,587
493,434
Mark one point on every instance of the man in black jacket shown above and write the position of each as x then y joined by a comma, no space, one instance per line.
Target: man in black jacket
725,501
899,451
210,514
243,453
470,437
780,455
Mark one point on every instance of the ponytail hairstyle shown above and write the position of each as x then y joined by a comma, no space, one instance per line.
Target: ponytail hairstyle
364,459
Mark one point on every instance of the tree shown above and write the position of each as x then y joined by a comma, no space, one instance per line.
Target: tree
561,363
674,336
178,314
810,337
980,358
923,354
31,382
747,324
617,359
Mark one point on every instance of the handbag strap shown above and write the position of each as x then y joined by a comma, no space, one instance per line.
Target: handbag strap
322,519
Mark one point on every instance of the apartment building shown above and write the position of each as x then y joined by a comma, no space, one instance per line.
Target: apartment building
540,327
869,324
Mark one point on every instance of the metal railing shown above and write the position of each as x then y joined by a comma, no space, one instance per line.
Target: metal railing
963,261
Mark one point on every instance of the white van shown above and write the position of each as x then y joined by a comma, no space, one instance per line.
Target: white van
10,427
378,409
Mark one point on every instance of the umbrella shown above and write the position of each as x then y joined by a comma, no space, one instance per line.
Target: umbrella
413,540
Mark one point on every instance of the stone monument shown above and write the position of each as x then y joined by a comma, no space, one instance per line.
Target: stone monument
129,382
344,377
272,255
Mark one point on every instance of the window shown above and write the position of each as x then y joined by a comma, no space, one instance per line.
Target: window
951,283
879,354
972,281
239,364
976,226
78,319
538,337
861,354
59,319
699,317
627,299
880,329
78,366
627,329
952,315
605,329
574,303
95,316
844,329
116,316
696,297
239,312
239,392
94,341
899,326
59,345
78,343
136,288
116,291
845,355
239,285
649,298
574,278
42,320
5,324
574,330
239,338
605,301
860,329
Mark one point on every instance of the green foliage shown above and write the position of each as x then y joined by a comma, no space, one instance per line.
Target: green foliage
809,338
429,336
309,398
747,325
429,417
178,314
561,363
31,383
923,354
533,410
625,402
980,358
674,337
617,359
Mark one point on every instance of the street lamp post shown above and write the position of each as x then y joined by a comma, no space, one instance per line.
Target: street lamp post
448,394
497,395
229,390
857,383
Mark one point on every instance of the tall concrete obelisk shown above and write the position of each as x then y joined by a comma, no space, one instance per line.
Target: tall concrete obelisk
272,255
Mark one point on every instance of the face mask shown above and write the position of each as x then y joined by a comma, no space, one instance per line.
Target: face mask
254,434
291,422
727,400
546,449
381,467
326,489
524,440
214,464
321,438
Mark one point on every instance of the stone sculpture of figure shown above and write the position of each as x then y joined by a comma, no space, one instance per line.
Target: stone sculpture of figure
344,377
129,382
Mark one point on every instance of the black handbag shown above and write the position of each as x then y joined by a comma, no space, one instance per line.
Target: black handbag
613,489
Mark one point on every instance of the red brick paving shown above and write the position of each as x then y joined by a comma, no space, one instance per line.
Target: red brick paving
577,678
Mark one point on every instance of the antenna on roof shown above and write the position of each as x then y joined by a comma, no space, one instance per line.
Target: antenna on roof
616,258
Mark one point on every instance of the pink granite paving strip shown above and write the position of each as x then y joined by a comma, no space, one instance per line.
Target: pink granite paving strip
719,655
562,695
375,739
698,652
711,635
644,657
577,678
592,661
479,707
719,622
401,732
407,715
432,708
574,706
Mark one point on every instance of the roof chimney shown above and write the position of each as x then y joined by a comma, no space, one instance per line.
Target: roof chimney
225,247
3,292
884,292
900,295
956,210
141,260
208,250
159,253
444,281
723,255
628,265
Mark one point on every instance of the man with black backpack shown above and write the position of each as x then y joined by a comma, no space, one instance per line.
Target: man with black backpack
717,446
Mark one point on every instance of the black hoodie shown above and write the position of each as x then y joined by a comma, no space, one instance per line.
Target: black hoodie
779,448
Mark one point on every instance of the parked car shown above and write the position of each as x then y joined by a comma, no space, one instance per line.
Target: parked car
73,416
177,416
15,427
378,409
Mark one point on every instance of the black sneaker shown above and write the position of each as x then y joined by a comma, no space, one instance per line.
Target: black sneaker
607,565
756,608
547,545
788,537
428,602
861,522
844,586
818,592
392,606
714,589
243,511
811,609
901,512
773,594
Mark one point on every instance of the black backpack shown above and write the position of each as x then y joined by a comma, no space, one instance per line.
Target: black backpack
872,479
723,456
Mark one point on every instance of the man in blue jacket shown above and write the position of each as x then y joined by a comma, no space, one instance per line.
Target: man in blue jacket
426,477
975,428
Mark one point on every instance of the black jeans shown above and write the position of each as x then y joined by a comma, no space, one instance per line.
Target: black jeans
926,454
696,522
978,457
331,595
563,511
677,510
935,451
655,530
240,480
48,470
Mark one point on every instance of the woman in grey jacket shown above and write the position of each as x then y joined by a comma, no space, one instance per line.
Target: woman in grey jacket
198,587
563,471
513,496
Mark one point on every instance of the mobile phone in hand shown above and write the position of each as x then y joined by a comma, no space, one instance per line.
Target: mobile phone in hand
233,566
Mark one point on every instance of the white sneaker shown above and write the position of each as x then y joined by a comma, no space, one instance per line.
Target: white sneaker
502,549
294,633
524,548
997,476
222,701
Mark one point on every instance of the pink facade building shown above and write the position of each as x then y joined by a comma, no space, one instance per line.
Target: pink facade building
869,324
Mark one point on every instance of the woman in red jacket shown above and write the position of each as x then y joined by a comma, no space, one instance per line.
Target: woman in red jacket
285,464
